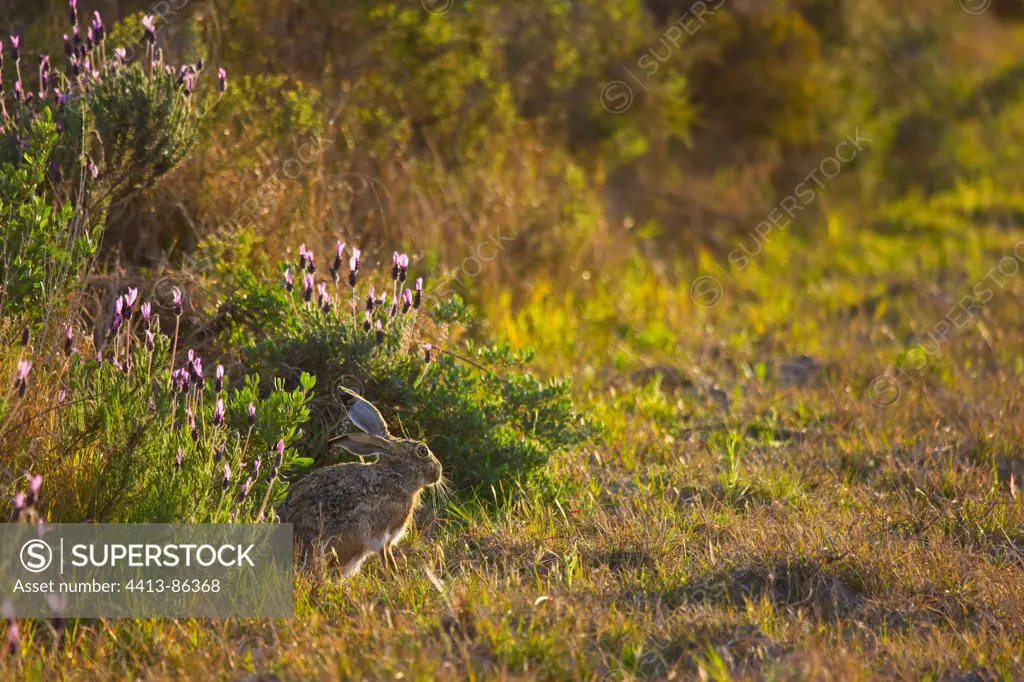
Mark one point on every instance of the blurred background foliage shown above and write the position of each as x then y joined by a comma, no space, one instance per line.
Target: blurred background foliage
451,127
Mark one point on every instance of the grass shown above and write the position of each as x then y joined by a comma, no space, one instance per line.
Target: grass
803,533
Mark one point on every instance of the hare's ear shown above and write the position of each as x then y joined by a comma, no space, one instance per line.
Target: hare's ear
362,444
363,414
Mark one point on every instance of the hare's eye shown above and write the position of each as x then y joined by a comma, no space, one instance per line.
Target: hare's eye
422,451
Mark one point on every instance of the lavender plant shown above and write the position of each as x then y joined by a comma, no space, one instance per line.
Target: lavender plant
491,422
123,119
139,435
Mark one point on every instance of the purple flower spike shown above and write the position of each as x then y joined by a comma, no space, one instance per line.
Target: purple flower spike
69,337
418,296
310,262
370,300
325,298
73,12
16,47
131,297
302,257
380,333
178,459
278,458
289,282
307,294
252,414
222,80
150,340
97,26
149,29
147,311
19,501
366,322
427,347
119,52
68,50
35,483
227,476
218,413
218,379
176,298
406,300
403,266
197,370
394,265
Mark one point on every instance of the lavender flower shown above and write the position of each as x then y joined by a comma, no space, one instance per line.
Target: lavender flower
302,257
406,300
252,414
176,297
147,310
277,458
222,80
115,323
149,29
16,47
426,351
380,333
180,380
218,413
19,501
310,262
192,426
69,337
68,50
129,301
150,340
400,266
325,298
370,300
178,459
307,294
218,379
246,487
338,249
353,267
196,369
289,283
13,637
417,297
97,26
227,476
35,483
73,12
366,322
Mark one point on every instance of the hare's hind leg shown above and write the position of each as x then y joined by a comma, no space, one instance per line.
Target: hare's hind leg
390,552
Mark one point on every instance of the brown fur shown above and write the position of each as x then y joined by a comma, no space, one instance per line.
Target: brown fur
348,511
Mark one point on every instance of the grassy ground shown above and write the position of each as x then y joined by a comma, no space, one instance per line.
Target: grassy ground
761,506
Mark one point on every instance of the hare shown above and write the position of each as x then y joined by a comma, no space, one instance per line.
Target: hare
347,511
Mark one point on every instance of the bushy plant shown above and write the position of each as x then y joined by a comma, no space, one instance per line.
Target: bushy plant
44,247
490,421
123,117
126,439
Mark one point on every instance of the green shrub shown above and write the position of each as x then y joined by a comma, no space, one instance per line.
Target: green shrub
44,247
126,440
490,421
